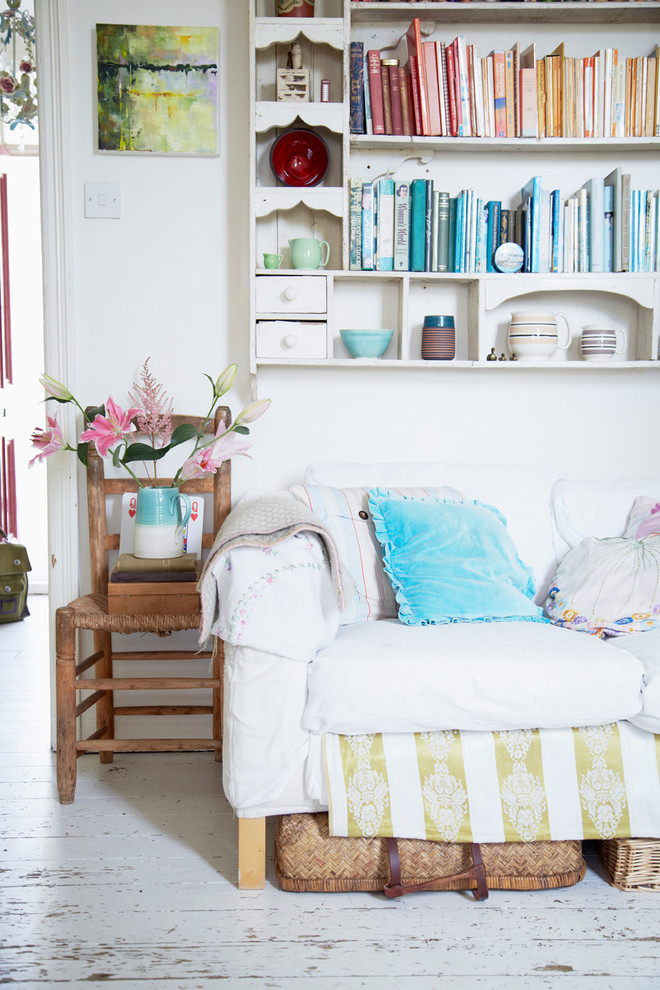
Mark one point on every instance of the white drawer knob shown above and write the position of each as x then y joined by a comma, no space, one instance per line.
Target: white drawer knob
290,340
290,293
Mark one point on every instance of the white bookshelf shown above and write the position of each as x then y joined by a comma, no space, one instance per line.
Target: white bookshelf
482,303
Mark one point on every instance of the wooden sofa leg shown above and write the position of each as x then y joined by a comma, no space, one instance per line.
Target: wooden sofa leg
251,853
65,676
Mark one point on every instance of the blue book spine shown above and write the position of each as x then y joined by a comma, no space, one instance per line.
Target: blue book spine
556,220
355,224
417,225
608,228
357,87
368,232
402,227
385,225
460,232
531,194
493,209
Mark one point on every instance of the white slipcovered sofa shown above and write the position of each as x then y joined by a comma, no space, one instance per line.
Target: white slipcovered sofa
468,727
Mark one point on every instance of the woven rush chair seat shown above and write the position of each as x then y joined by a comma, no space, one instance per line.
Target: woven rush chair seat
91,612
90,682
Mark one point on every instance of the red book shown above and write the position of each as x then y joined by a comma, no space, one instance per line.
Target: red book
387,99
406,101
413,77
376,92
416,50
431,70
451,92
395,97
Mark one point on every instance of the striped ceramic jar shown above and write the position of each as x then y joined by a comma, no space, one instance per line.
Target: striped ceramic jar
534,335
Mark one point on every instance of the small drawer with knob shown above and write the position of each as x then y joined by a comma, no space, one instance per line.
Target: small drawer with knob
291,340
291,294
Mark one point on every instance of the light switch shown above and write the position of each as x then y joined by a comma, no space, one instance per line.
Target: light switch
103,199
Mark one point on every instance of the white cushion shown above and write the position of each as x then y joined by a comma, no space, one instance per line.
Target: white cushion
389,677
521,492
646,646
596,507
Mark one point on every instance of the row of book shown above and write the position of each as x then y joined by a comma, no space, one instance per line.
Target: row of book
606,226
445,89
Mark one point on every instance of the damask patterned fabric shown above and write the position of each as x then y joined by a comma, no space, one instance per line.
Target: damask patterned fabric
522,785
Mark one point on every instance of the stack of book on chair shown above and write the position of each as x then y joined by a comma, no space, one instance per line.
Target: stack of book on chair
154,586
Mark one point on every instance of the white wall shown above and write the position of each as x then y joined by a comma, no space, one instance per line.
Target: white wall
169,279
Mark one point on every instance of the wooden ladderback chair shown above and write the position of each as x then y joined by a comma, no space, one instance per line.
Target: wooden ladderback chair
76,690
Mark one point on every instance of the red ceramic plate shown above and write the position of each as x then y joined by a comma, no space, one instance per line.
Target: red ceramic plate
299,158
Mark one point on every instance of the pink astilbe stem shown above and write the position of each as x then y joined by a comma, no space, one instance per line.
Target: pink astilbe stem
155,418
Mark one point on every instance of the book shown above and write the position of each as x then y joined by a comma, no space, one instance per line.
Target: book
451,235
387,99
530,195
428,227
527,93
401,227
544,233
443,95
413,79
416,52
368,125
594,188
608,227
385,225
129,563
583,231
395,96
368,230
451,92
510,96
556,228
463,90
355,224
493,209
376,92
625,221
158,576
434,230
417,225
540,96
406,99
443,231
615,181
357,87
431,70
499,93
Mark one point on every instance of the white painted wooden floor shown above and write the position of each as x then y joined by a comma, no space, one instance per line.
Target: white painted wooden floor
133,886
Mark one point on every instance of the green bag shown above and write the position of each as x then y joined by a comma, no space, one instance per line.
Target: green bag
14,565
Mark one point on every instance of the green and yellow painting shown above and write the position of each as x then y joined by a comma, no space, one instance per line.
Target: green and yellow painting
157,89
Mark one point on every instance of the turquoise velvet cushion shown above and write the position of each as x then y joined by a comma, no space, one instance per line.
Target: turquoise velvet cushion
451,561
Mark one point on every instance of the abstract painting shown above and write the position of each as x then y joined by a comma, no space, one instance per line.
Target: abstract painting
157,89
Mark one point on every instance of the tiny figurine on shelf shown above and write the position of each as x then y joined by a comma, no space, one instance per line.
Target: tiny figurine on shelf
514,357
502,357
325,91
293,82
492,356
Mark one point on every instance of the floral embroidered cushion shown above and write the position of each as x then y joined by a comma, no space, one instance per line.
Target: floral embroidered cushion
345,512
644,518
608,586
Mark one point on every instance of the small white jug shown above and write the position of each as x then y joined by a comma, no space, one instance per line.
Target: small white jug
534,334
599,343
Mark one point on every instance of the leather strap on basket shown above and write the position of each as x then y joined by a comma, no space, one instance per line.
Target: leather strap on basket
396,889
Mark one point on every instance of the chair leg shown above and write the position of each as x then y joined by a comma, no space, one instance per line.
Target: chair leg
251,853
65,676
105,712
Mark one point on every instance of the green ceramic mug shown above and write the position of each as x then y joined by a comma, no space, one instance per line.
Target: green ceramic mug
307,252
272,260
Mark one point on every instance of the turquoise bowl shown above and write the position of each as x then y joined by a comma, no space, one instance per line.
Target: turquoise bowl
366,343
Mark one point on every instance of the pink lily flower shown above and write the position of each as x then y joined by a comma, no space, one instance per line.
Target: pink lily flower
112,428
47,441
207,460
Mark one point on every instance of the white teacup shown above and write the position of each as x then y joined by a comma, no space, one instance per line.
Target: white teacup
534,334
600,343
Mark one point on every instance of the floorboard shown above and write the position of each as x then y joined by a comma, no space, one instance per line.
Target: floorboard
134,886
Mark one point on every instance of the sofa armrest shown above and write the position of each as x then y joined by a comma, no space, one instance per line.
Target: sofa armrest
281,598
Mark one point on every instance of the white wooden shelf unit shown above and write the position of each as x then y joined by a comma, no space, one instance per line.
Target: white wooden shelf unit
295,316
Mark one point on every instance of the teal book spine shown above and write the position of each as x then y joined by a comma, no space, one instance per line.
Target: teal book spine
555,263
451,235
385,225
428,227
417,224
492,233
355,224
594,188
530,195
402,227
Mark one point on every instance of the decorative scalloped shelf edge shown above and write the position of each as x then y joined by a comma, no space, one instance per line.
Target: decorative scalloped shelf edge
279,30
283,114
269,201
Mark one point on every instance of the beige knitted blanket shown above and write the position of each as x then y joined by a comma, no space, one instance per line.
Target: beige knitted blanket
264,522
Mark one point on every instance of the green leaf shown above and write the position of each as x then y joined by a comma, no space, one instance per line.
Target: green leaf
82,451
115,457
186,431
143,452
91,412
243,430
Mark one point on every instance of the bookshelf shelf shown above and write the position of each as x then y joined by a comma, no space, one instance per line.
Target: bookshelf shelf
590,11
481,302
